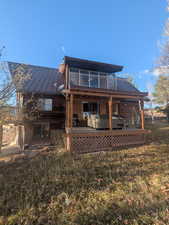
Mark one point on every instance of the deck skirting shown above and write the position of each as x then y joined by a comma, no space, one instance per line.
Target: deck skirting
83,142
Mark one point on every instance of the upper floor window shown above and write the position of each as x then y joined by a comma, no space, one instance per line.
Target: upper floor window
45,104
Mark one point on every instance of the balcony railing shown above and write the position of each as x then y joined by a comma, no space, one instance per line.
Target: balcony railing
92,79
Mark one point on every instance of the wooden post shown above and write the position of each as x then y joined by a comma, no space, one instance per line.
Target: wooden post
132,117
142,114
71,111
70,123
110,113
67,112
69,120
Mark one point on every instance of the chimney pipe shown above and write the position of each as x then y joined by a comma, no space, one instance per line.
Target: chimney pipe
62,67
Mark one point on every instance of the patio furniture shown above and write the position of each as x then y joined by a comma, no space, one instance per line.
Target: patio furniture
102,122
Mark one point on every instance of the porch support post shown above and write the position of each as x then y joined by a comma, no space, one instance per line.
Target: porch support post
69,120
67,111
142,114
71,110
110,113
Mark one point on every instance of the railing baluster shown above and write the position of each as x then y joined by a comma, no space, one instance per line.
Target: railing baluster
108,81
79,77
89,78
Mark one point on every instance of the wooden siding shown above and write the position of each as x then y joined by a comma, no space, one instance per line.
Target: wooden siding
31,112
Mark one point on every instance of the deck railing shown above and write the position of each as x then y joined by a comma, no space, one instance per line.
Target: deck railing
92,79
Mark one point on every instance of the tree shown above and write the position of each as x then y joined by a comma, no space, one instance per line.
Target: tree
8,92
161,92
129,78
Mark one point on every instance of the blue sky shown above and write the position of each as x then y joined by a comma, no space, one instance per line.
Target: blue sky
124,32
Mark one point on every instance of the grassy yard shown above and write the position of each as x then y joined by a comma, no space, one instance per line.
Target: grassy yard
121,187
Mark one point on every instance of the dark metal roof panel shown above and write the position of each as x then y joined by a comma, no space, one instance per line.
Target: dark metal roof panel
92,65
44,80
124,85
41,80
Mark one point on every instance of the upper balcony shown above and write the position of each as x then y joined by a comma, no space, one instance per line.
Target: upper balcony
91,79
80,73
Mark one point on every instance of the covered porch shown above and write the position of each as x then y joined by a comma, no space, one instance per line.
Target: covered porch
103,121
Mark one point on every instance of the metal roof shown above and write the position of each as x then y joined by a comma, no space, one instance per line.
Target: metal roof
41,80
92,65
124,85
44,80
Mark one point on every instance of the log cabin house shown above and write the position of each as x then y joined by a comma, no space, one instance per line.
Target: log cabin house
86,100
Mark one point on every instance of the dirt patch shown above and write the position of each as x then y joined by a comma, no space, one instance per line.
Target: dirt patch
13,153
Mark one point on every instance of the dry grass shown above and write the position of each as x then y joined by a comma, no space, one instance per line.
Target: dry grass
123,187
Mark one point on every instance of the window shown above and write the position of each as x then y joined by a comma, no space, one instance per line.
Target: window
45,104
91,107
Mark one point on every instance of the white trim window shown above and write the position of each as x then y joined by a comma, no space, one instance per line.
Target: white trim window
45,104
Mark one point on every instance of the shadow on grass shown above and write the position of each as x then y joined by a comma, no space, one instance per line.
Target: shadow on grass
122,215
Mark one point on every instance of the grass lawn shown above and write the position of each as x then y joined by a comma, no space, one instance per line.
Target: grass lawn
121,187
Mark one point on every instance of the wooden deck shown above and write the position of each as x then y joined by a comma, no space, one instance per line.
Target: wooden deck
86,140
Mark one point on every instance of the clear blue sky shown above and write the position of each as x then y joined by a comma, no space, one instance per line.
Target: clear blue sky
124,32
